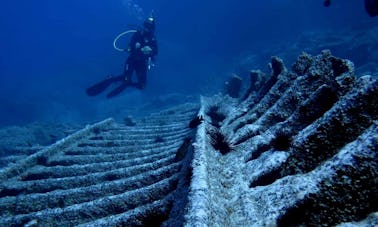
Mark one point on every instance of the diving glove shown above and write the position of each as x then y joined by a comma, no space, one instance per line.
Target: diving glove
146,50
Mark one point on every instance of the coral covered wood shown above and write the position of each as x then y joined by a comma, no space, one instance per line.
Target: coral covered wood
298,149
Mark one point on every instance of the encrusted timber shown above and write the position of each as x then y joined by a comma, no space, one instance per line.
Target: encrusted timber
159,193
311,94
125,166
86,185
136,216
285,119
199,192
200,209
347,119
278,67
346,186
255,105
320,137
281,110
256,78
371,220
312,144
117,175
33,159
354,106
330,194
354,111
181,110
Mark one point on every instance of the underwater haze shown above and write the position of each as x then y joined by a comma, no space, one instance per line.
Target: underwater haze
51,51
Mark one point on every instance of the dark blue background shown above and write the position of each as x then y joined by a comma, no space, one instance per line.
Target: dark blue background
50,51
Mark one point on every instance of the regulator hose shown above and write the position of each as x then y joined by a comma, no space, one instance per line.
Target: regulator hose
119,36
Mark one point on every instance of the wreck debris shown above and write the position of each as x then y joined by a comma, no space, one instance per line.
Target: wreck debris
298,149
304,150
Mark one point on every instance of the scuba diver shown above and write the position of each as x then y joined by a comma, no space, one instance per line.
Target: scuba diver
142,50
371,6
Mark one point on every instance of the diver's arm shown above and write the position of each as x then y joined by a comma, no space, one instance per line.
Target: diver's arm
154,47
133,45
150,50
154,50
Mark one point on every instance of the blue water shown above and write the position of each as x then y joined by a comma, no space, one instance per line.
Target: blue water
50,51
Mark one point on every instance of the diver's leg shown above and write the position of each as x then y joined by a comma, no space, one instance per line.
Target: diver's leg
128,70
118,90
141,71
102,85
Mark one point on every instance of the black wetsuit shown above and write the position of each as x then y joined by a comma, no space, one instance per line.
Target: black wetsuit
137,61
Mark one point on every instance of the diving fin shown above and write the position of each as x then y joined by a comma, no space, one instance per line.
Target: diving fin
99,87
119,89
116,91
